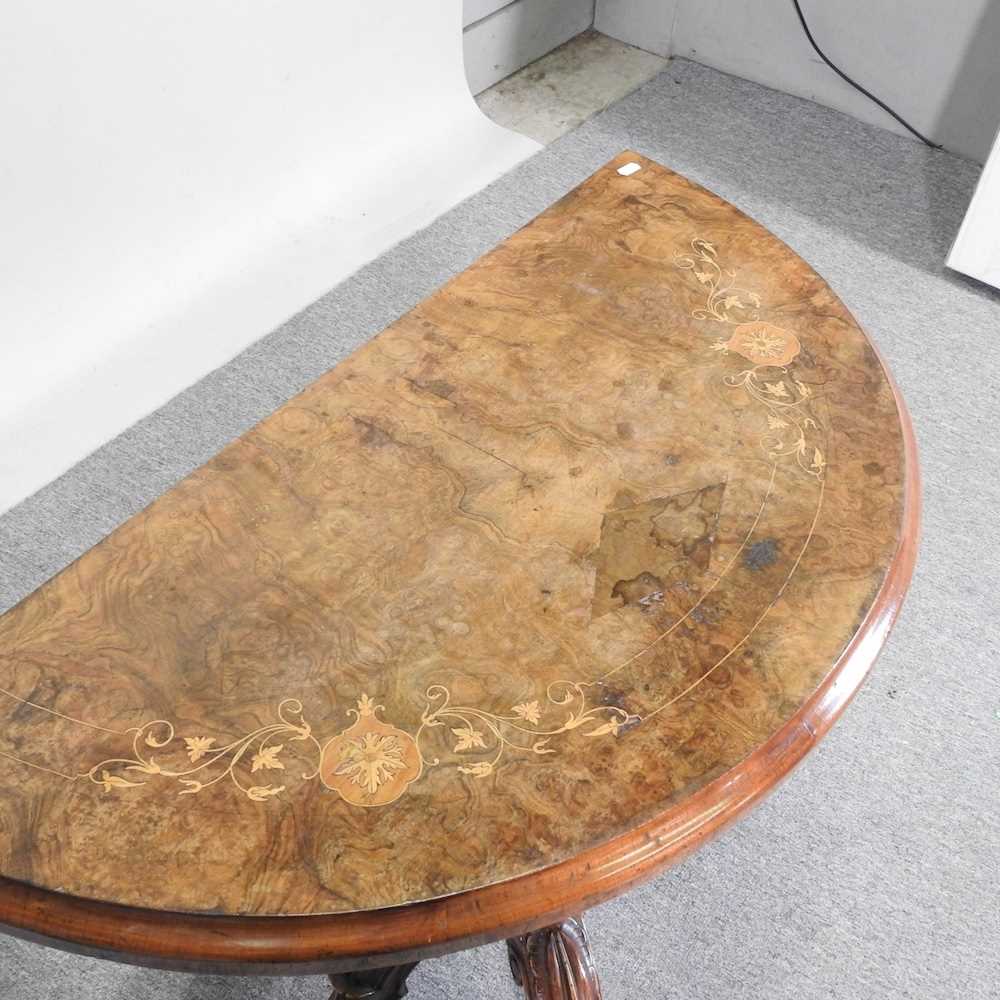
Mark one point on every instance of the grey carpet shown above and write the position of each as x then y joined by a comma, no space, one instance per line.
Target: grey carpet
872,872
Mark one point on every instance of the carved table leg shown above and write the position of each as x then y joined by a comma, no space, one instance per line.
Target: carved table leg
554,963
371,984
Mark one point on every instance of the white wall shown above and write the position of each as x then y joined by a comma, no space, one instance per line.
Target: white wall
178,178
501,36
936,63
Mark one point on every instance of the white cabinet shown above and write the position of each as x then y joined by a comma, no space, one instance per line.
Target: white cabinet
977,247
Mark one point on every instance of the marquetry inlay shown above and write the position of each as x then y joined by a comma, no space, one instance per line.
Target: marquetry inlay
553,551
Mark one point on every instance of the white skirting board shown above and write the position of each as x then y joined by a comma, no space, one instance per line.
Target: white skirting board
976,251
181,178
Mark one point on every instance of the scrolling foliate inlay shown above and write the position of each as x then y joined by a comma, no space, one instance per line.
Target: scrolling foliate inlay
771,350
371,763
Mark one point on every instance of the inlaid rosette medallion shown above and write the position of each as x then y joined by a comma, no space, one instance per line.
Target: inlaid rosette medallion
371,763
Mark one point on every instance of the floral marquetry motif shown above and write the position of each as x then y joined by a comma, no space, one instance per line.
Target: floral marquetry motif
764,344
541,586
371,763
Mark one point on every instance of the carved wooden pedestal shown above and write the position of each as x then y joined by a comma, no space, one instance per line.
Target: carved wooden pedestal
554,963
372,984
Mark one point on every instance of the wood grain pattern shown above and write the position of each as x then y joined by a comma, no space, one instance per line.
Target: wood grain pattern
541,587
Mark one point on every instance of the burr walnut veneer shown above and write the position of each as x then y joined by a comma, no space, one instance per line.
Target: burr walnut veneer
512,608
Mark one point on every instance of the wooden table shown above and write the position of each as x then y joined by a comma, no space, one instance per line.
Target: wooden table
519,604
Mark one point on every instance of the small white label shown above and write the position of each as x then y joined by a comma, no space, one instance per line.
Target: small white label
629,169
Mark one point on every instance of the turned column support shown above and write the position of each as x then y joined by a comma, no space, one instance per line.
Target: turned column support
371,984
554,963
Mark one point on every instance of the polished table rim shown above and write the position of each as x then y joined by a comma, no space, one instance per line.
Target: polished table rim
321,943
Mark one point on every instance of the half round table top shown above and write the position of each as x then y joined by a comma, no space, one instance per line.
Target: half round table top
589,546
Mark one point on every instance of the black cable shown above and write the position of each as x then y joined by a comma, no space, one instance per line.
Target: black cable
857,86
